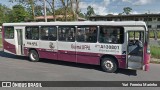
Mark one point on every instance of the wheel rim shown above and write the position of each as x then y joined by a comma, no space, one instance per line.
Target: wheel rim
33,56
108,65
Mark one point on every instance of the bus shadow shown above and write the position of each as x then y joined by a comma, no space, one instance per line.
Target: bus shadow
71,64
126,72
7,55
88,66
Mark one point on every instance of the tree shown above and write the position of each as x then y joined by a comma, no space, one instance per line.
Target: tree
52,6
5,14
28,3
80,14
19,13
127,10
90,12
77,9
38,10
65,6
75,12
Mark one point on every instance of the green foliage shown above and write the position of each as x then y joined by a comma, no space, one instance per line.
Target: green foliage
155,52
38,10
27,10
90,12
5,13
81,15
61,11
19,13
131,34
127,10
29,5
152,34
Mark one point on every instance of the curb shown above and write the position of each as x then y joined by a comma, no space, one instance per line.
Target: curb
155,60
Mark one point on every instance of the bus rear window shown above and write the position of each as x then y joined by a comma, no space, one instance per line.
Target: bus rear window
9,32
110,34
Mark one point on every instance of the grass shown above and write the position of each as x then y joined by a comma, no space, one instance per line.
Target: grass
151,34
155,52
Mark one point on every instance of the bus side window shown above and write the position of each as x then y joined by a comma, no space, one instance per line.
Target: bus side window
113,35
52,34
80,35
44,33
9,32
66,33
32,32
87,34
61,34
49,33
71,35
92,35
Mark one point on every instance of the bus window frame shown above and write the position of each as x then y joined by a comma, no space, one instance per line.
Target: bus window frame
5,31
97,28
73,26
38,32
138,38
113,26
48,26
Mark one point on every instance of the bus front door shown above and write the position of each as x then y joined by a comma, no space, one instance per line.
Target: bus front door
135,42
19,41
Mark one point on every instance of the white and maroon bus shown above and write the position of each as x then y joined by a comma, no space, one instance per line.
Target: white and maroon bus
111,44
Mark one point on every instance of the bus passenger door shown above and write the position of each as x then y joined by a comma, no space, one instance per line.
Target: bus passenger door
135,43
19,40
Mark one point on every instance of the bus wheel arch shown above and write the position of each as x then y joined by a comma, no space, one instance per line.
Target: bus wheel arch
110,61
33,55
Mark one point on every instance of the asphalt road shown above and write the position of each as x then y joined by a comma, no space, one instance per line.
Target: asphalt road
154,42
18,68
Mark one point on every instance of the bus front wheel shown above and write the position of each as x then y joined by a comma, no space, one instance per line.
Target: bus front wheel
109,65
33,55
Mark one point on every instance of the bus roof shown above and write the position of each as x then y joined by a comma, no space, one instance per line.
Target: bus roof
110,23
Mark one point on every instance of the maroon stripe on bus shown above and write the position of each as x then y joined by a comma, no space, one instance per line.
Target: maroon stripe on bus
9,47
66,52
79,57
48,55
88,54
65,55
88,59
122,63
146,58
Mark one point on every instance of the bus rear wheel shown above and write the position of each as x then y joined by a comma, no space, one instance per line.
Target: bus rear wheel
33,55
109,65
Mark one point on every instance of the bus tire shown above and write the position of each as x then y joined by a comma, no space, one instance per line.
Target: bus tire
108,64
33,55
